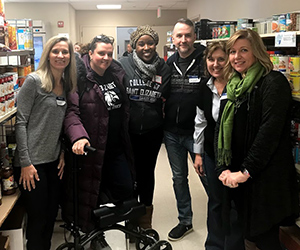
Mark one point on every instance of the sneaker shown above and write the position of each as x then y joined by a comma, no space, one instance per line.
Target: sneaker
178,232
99,243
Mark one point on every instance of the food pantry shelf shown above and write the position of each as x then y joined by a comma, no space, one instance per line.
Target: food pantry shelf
8,115
8,203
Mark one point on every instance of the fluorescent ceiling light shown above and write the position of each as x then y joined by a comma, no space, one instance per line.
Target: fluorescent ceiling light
109,6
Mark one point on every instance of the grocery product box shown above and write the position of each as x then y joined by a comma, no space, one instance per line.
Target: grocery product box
294,64
275,23
244,23
282,22
216,28
226,30
295,82
293,21
12,36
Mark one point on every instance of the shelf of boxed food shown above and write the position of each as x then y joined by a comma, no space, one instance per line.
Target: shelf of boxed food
268,35
8,115
16,57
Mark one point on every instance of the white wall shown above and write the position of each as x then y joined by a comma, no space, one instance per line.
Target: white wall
231,10
91,23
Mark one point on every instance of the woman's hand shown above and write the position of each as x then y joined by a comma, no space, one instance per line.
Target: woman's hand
198,165
28,176
232,179
78,146
61,164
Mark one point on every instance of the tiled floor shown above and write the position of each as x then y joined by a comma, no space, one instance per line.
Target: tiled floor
165,212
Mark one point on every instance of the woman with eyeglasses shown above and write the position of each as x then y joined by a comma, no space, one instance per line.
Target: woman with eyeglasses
147,84
39,160
97,115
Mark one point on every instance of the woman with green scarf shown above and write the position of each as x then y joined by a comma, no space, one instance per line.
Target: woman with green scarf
254,149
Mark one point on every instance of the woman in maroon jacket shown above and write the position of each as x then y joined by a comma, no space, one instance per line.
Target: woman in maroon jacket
97,115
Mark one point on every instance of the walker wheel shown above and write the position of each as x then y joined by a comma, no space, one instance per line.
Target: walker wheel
162,245
145,244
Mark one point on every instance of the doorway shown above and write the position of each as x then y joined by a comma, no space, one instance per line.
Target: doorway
123,38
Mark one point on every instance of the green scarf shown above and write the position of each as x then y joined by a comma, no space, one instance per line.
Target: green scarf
237,90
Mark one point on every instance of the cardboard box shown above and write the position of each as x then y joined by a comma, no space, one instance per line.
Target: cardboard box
13,227
226,31
275,23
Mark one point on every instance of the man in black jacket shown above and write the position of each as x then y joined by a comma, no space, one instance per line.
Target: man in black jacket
180,111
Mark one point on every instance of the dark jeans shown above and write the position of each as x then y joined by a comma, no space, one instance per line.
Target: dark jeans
146,148
41,205
216,237
178,147
117,182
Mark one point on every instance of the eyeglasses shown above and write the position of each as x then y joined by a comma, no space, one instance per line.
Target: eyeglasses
60,101
104,39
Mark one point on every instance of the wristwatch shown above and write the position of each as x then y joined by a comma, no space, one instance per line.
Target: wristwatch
246,172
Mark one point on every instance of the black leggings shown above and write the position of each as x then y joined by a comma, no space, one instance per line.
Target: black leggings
146,148
117,183
41,205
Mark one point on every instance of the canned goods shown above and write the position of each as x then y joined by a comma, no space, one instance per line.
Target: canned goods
283,65
275,61
295,81
21,71
294,64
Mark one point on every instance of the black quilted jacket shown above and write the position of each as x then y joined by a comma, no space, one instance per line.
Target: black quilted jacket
270,196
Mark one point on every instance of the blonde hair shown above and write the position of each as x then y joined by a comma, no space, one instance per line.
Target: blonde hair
258,49
44,70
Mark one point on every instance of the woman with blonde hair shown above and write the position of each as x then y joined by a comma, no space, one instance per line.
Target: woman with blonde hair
255,159
39,160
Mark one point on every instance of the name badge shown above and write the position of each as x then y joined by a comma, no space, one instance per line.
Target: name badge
223,96
194,79
158,79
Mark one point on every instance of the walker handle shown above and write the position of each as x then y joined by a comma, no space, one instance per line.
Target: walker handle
89,149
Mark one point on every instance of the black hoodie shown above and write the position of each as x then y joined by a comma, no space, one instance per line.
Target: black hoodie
180,108
146,99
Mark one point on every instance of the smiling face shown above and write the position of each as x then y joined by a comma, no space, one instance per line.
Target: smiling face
215,63
59,56
241,56
183,38
101,57
146,48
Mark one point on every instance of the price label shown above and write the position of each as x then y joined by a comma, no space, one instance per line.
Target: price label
285,39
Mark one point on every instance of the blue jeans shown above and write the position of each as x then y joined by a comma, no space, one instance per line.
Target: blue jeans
178,147
216,237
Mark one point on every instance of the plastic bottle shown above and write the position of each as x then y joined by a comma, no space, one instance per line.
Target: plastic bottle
8,182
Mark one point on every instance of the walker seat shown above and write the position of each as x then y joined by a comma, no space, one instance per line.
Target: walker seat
111,214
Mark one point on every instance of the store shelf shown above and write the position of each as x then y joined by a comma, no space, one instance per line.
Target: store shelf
17,52
8,115
8,203
270,35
